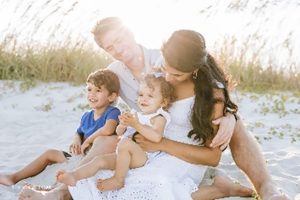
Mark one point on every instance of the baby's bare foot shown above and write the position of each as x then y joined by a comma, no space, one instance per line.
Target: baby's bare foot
109,184
66,177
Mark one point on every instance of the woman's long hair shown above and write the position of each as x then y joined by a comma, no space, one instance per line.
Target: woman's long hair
185,51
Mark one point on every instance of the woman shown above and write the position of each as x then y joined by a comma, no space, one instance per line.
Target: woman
176,175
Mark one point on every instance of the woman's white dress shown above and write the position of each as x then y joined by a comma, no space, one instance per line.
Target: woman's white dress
165,177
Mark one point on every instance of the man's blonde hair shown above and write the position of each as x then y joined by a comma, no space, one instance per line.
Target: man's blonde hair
107,24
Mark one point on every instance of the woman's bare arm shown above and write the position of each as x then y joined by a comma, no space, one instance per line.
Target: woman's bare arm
195,154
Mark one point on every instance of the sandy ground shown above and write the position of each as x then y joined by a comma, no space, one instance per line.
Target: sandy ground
47,115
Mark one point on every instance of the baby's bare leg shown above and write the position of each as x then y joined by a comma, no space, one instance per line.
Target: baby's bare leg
130,155
89,169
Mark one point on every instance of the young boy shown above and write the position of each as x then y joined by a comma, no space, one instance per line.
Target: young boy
102,90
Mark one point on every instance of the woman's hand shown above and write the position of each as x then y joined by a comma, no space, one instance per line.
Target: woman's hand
225,131
147,145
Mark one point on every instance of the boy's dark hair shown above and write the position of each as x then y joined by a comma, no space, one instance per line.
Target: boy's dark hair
106,78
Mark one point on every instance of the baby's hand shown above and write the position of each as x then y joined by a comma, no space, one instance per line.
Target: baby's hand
129,119
124,118
133,119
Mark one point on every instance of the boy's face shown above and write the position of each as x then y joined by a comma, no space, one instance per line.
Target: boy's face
150,99
98,97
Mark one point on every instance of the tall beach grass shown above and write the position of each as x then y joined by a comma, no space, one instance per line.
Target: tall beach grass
73,62
249,73
53,62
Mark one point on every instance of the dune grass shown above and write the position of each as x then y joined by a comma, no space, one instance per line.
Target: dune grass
61,62
73,62
250,74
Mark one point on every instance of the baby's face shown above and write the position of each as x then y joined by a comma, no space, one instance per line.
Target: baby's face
150,99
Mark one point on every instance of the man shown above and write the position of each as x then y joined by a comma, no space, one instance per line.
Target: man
133,60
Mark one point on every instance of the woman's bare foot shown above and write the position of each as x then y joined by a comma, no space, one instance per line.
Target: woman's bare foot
109,184
232,189
66,177
28,193
7,180
222,187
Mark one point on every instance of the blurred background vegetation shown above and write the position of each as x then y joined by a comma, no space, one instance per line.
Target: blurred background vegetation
73,62
256,42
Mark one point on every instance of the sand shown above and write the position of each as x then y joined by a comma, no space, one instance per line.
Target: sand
46,115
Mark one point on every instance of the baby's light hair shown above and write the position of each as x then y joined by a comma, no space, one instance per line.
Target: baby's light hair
166,89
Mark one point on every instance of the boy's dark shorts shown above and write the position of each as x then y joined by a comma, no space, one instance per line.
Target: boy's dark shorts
67,155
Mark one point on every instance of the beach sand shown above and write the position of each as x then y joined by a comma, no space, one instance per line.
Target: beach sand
47,115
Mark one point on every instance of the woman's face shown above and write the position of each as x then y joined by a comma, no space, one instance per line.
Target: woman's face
174,76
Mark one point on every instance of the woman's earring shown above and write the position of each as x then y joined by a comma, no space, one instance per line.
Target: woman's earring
195,74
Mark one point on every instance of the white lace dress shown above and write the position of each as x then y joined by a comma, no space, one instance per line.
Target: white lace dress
164,178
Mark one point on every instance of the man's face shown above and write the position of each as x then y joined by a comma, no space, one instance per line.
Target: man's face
119,44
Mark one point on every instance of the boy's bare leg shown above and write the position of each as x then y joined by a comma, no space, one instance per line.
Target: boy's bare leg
107,161
221,187
102,145
130,155
35,167
243,145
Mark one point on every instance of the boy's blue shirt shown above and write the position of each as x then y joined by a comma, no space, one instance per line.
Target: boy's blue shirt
88,125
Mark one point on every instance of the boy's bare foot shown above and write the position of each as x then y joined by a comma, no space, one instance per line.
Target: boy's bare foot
6,180
109,184
28,193
222,187
66,177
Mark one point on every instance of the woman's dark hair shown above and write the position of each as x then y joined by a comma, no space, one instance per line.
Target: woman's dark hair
186,51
